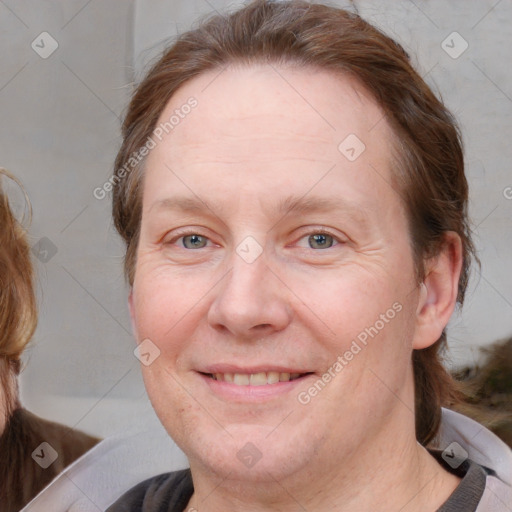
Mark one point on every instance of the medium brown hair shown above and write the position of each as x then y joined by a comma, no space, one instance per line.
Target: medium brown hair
18,314
428,169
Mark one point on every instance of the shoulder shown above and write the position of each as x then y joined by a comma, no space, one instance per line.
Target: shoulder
482,457
479,489
497,496
168,491
67,441
21,444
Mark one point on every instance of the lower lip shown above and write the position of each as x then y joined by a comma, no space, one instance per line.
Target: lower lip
233,392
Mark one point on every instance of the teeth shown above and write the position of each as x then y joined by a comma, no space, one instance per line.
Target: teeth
272,377
255,379
258,379
241,379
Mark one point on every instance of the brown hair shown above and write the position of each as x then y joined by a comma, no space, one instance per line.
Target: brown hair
18,315
429,167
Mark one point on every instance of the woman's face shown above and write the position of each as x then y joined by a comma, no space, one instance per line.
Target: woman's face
274,274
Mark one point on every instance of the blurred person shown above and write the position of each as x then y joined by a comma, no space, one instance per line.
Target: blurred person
21,432
488,389
293,201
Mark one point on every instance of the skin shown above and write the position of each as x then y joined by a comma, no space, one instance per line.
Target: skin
258,135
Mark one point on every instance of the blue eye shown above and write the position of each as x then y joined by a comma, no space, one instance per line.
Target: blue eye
315,240
320,241
194,241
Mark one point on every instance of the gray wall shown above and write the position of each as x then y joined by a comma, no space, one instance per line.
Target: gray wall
60,132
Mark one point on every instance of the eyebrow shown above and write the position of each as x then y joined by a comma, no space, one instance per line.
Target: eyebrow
329,204
286,206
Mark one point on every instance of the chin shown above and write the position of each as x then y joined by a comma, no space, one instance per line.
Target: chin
248,453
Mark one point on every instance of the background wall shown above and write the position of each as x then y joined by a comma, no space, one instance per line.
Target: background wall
66,74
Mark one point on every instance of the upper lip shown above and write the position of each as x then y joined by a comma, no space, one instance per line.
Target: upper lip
233,368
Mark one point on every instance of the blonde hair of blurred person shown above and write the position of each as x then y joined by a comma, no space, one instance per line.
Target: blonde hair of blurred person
22,432
18,314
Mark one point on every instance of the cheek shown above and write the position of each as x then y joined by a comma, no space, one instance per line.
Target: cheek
369,324
349,300
163,305
170,307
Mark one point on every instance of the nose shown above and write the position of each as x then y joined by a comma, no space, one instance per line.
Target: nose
251,301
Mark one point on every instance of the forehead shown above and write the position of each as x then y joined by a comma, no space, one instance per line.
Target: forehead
275,101
268,123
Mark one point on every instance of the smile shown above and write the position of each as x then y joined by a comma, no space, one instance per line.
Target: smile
255,379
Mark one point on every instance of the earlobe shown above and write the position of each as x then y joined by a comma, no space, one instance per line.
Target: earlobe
437,295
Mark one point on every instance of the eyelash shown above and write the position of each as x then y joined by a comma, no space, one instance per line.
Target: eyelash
182,234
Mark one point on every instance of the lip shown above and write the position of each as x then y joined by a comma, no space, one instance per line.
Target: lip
231,392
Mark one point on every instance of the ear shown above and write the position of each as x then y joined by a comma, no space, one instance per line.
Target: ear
438,292
132,315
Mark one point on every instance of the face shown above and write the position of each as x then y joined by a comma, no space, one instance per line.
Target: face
274,248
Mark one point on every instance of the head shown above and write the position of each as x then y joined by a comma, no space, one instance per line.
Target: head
275,91
17,301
